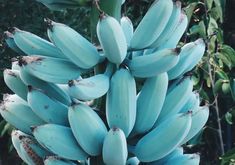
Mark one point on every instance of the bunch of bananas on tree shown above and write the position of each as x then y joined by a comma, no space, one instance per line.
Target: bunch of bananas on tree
139,108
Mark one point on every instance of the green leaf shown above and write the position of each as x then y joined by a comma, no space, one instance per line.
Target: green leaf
229,118
226,60
209,4
229,155
189,9
212,26
226,87
229,52
216,13
5,129
218,86
222,75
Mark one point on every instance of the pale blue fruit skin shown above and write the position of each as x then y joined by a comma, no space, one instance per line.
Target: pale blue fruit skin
13,81
133,161
60,141
127,28
47,108
149,102
192,103
112,39
171,132
57,161
11,43
74,46
121,101
87,127
115,147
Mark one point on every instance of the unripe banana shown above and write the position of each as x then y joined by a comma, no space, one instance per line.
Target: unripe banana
152,25
47,108
59,140
153,64
199,119
49,69
13,81
88,128
149,102
165,138
53,160
17,112
175,99
121,101
112,39
192,103
114,150
190,55
170,26
127,28
11,43
32,44
77,48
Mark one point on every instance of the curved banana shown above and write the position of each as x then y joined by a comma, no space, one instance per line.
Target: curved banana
133,161
149,102
177,33
52,89
172,131
47,108
59,5
152,25
121,101
11,43
153,64
170,26
192,103
32,44
87,127
127,28
92,87
115,147
17,112
77,48
190,55
50,69
53,160
59,140
13,81
175,99
112,39
199,119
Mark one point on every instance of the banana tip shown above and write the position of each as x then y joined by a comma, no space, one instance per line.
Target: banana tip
49,23
13,30
33,128
177,50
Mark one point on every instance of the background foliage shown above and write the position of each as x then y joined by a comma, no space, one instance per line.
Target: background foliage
209,19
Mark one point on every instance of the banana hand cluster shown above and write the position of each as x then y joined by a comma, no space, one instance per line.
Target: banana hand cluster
129,102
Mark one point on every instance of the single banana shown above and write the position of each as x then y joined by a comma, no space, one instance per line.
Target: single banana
127,28
54,160
133,161
152,25
13,81
121,101
177,33
32,44
171,132
190,55
112,39
52,89
199,119
192,103
175,99
50,69
92,87
59,140
11,43
170,26
87,127
114,150
77,48
153,64
17,112
149,102
47,108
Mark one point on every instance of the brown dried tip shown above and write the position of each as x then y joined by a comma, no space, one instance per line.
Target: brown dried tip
30,88
9,72
124,66
102,15
71,83
7,35
49,23
32,128
13,30
115,129
177,50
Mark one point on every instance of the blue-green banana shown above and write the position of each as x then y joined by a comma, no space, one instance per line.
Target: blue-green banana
17,112
192,103
112,39
77,48
154,63
115,147
11,43
13,81
152,25
87,127
47,108
121,101
50,69
54,160
149,102
59,140
170,132
186,159
127,28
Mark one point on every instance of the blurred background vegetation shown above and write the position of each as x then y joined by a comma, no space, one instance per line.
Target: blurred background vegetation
212,20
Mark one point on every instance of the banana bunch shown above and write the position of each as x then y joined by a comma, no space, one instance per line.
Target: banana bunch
129,102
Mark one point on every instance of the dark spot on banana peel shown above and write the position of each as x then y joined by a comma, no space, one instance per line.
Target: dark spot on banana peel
177,50
33,128
49,23
9,72
13,30
32,154
46,106
30,88
71,83
7,35
115,129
